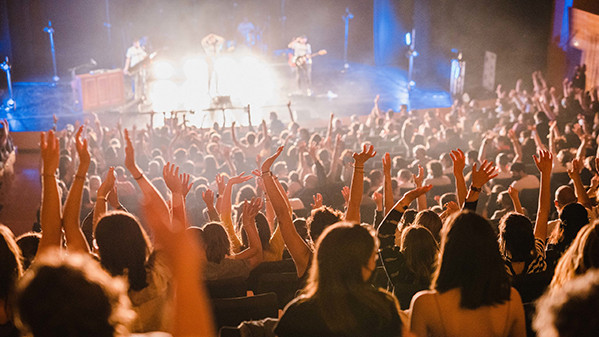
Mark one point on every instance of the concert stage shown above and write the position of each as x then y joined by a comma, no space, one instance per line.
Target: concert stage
345,93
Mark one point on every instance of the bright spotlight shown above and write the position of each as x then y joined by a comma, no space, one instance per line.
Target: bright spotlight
162,70
408,39
195,69
164,95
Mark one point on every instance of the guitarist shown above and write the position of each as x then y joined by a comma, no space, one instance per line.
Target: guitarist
302,58
136,54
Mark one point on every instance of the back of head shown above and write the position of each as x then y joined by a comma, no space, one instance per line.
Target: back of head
216,242
420,250
564,195
431,221
28,244
71,297
10,263
581,256
470,261
322,218
435,168
336,279
123,247
573,217
570,311
516,236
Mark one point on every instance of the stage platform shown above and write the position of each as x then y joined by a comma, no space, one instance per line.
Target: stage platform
344,92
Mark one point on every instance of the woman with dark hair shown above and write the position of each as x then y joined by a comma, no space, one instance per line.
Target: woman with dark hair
431,221
338,299
224,264
409,266
471,293
582,255
10,272
523,246
572,218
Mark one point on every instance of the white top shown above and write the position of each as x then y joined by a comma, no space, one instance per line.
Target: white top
527,182
135,55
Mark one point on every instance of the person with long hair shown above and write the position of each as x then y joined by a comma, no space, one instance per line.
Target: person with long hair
471,293
338,300
582,255
11,270
410,265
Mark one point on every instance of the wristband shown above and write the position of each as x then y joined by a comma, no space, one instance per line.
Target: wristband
140,176
101,198
474,188
267,173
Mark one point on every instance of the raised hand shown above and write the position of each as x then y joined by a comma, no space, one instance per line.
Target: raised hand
459,161
50,149
208,197
113,198
82,150
266,165
317,201
410,196
513,193
419,179
345,192
361,158
238,179
378,200
544,162
451,207
170,172
220,183
387,163
574,170
481,175
250,210
108,184
185,184
130,156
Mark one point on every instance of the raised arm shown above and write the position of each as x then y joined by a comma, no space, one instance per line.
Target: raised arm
514,195
226,211
253,254
517,146
208,197
104,190
480,176
192,314
179,185
419,180
357,184
298,248
544,163
234,138
148,190
581,193
459,162
387,187
50,208
75,239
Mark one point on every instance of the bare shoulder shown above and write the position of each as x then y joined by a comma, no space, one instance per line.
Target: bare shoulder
515,296
423,298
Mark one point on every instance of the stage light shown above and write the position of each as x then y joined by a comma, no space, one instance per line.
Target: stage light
408,39
195,69
162,70
164,95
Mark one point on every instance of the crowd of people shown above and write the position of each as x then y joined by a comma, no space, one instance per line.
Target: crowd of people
481,216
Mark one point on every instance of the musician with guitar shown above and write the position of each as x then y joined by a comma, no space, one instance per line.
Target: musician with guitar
302,59
136,54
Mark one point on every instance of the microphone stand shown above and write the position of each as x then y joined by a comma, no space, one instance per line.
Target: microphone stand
50,31
346,17
10,104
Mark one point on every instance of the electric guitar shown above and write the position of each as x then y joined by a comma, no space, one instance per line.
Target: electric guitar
299,61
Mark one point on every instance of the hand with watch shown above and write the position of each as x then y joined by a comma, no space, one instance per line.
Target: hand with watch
409,197
480,176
